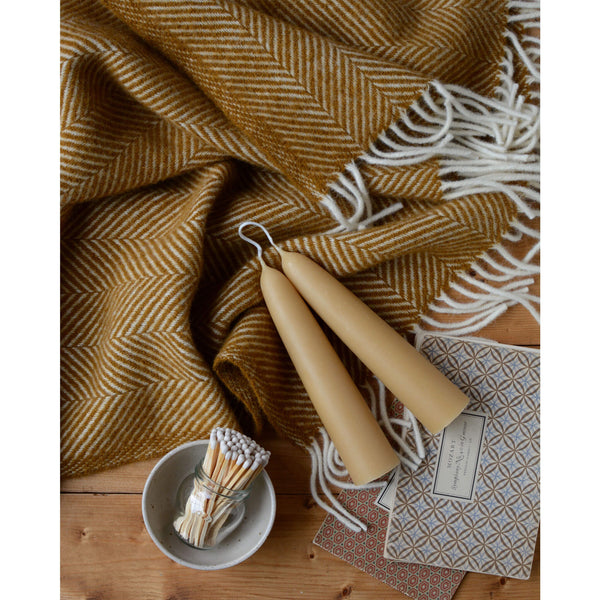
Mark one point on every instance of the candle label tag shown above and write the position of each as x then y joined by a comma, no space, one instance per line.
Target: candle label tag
457,464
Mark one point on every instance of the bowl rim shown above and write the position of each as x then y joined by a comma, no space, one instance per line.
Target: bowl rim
269,525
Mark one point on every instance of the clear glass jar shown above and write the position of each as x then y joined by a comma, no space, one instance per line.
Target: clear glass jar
207,512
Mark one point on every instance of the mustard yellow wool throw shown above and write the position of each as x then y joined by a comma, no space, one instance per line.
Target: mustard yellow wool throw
394,142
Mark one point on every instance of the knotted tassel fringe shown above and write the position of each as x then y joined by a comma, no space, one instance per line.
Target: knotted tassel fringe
483,145
351,187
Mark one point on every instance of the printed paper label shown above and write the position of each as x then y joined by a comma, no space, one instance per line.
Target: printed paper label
385,499
458,457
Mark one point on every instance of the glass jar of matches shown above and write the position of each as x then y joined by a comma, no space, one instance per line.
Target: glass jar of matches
211,501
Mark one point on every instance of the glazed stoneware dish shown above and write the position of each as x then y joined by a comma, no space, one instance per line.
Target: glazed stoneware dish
159,508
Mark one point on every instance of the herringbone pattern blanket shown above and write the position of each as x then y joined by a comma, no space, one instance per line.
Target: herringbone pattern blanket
395,143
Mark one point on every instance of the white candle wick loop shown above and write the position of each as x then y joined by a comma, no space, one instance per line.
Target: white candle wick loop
251,241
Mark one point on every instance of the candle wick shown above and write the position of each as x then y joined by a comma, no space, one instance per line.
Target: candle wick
256,244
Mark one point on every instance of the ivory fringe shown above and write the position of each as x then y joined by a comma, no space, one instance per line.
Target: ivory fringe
483,145
328,468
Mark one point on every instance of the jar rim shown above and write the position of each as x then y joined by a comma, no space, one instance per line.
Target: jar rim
219,488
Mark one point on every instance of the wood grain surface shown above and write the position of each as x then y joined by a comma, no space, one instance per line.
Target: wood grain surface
106,552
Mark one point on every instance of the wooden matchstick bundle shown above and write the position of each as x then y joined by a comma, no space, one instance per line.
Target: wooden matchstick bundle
231,464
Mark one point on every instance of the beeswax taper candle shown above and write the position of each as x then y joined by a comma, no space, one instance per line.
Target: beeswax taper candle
431,397
350,424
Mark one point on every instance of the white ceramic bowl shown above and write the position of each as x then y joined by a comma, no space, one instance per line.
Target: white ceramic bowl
158,509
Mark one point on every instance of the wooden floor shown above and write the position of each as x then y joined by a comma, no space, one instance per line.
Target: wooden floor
106,552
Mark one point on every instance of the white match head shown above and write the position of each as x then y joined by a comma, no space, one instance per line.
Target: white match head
213,439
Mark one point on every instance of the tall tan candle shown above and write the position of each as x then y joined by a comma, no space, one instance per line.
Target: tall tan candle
430,396
345,415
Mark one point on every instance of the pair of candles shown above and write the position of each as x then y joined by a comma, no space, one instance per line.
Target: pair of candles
360,442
